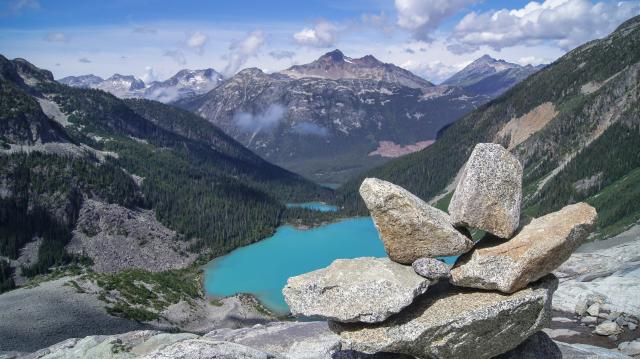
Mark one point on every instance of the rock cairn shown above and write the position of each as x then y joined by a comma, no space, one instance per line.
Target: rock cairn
498,293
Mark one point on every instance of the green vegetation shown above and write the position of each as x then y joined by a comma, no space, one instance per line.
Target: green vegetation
6,279
46,196
142,295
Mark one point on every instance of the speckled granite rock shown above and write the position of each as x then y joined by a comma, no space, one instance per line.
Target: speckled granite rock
536,251
206,349
453,322
300,340
537,346
409,227
431,268
489,193
354,290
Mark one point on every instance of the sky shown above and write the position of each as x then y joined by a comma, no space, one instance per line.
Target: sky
154,39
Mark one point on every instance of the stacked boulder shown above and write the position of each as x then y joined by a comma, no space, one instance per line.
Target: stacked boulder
498,293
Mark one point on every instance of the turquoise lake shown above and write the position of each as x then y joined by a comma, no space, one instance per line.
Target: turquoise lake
262,268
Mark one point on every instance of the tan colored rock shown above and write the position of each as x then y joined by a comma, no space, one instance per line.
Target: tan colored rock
489,193
537,250
453,322
409,227
355,290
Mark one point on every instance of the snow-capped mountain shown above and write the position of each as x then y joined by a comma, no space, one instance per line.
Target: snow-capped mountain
123,86
84,81
335,65
184,84
490,77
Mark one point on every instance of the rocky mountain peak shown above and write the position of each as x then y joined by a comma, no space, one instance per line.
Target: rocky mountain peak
335,65
334,56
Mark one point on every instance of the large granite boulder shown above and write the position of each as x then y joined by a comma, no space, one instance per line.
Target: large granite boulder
409,227
489,193
536,251
455,322
355,290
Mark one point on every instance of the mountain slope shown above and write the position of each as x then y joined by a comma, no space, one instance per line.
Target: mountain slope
83,81
575,126
490,77
329,129
63,146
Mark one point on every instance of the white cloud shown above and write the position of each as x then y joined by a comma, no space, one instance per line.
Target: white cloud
149,75
422,17
435,71
242,50
282,54
18,6
310,129
197,41
176,55
56,37
266,120
565,23
322,34
84,60
144,30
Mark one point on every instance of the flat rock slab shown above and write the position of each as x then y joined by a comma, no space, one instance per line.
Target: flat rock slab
300,340
454,322
489,193
206,349
536,251
408,226
354,290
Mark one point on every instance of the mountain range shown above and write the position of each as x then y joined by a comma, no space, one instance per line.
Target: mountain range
336,116
186,83
574,125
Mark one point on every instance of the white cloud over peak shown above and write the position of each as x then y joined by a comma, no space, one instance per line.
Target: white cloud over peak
322,34
197,41
423,17
436,71
565,23
242,50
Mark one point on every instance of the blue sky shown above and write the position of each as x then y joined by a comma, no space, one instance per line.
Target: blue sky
154,39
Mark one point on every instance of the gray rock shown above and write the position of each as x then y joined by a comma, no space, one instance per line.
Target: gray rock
431,268
206,349
453,322
355,290
585,351
539,345
632,326
489,193
409,227
581,307
299,340
537,250
630,348
614,315
607,328
594,309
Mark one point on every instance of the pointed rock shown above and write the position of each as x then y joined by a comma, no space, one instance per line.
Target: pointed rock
409,227
489,193
354,290
453,322
537,250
